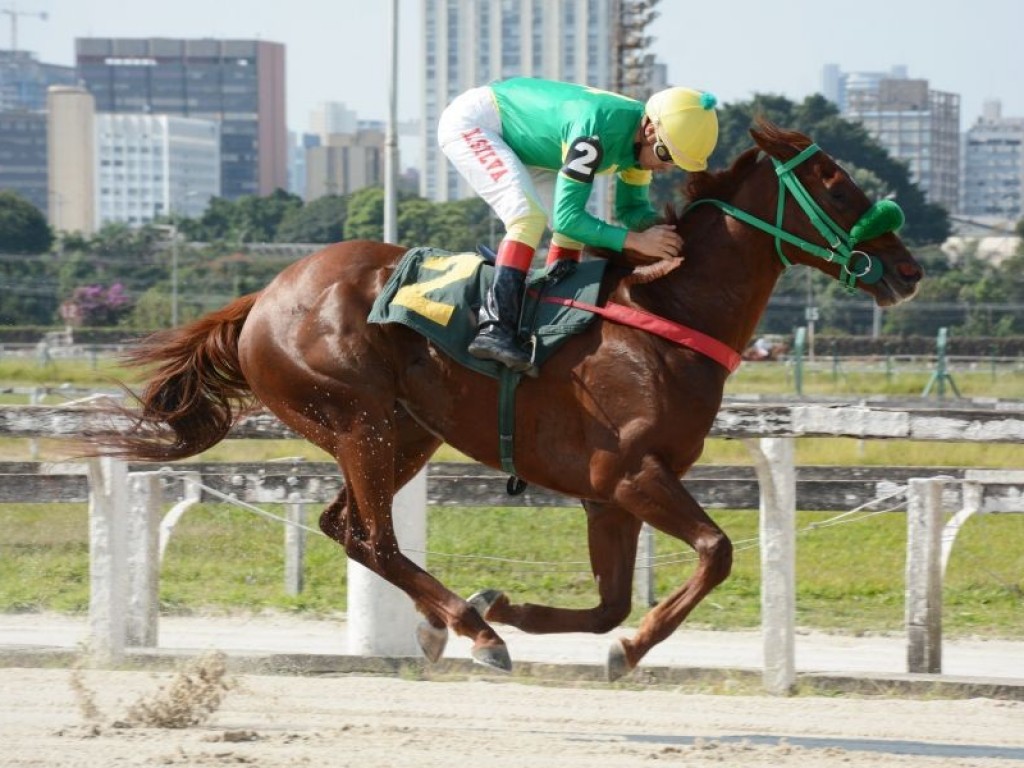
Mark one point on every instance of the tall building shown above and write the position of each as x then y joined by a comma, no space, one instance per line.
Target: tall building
24,80
152,166
993,177
835,83
71,159
345,162
467,43
332,117
238,83
916,124
23,155
298,145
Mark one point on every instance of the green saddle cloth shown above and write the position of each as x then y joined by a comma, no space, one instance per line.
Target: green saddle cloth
439,293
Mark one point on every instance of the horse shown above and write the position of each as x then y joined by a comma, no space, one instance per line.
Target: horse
615,418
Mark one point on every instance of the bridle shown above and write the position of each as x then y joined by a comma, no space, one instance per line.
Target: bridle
881,218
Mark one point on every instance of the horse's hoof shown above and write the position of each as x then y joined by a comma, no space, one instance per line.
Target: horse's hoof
494,656
618,664
483,600
432,640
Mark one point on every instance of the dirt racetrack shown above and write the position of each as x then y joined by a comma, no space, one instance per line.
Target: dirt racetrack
371,722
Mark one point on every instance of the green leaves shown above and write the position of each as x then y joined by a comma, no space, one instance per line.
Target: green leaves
23,228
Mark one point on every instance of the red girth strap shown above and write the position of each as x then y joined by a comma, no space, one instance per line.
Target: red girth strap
721,353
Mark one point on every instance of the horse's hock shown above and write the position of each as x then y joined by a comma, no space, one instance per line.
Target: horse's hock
126,541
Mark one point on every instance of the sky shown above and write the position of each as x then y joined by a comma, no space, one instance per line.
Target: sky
337,50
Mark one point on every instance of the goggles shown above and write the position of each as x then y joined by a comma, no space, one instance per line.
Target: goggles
662,153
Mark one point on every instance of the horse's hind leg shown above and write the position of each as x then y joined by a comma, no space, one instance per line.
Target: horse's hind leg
366,451
414,447
612,537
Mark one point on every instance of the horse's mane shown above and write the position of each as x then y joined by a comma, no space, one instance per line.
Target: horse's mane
722,184
719,185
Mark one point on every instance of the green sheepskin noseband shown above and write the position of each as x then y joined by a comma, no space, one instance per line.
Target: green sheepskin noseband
883,217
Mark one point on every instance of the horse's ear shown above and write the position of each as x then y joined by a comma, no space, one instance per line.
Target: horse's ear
779,143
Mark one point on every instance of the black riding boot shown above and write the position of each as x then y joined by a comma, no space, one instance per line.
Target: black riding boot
499,321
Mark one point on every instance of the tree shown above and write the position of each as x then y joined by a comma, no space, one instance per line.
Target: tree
23,228
95,305
318,221
365,215
249,219
28,289
416,221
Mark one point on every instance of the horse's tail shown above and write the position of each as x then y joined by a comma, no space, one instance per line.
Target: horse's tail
195,394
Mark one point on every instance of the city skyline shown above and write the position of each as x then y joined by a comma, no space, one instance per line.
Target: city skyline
735,49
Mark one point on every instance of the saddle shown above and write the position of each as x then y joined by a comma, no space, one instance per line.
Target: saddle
438,294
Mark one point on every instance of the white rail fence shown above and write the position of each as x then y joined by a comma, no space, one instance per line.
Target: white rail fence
125,524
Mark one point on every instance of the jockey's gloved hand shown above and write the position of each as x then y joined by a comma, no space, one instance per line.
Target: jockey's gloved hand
560,270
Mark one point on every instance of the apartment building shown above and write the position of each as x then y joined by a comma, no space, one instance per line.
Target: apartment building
240,84
915,123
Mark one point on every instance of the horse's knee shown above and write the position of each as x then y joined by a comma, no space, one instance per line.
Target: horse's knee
715,551
333,520
611,614
332,523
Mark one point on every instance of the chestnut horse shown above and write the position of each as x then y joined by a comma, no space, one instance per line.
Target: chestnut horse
615,418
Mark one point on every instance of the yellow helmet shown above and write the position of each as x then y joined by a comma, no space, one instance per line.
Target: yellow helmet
686,123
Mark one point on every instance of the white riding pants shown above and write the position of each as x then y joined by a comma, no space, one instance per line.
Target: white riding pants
469,134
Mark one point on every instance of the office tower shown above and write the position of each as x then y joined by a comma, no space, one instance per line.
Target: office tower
24,80
835,83
71,113
23,155
916,124
238,83
23,84
152,166
345,162
993,175
472,42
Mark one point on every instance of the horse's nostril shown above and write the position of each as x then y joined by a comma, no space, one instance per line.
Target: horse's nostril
909,271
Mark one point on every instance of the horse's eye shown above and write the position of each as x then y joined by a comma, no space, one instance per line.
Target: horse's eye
837,193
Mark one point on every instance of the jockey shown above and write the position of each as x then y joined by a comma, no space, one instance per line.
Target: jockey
523,142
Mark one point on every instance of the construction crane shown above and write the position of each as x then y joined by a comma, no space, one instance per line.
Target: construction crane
14,13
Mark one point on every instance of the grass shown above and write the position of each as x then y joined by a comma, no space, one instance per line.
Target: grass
850,578
826,377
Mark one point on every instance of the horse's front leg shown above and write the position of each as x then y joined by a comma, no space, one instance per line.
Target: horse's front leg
655,495
612,537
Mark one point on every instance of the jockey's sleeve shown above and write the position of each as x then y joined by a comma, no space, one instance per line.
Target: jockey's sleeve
571,218
632,199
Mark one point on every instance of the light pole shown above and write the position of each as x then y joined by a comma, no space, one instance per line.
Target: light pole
391,138
174,273
189,193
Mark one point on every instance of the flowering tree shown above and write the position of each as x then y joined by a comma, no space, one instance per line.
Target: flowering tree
95,305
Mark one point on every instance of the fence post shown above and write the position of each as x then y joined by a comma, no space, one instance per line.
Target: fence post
799,340
142,532
774,462
381,618
191,494
294,546
924,575
643,571
108,572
